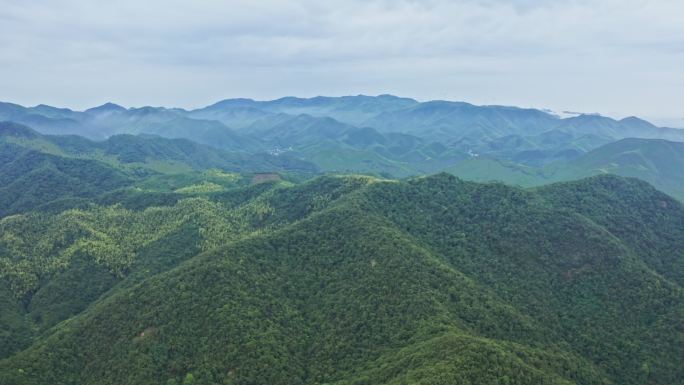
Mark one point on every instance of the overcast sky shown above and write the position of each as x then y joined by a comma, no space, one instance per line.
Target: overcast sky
616,57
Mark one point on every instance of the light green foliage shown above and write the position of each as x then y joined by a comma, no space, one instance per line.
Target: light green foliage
226,177
38,245
202,188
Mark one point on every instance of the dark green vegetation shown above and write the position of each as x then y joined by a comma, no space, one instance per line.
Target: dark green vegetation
203,247
348,280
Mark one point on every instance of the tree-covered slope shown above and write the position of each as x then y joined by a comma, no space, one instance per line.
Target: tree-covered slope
353,280
659,162
656,161
528,251
144,153
56,264
636,213
486,169
30,178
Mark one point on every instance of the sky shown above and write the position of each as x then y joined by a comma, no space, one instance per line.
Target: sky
615,57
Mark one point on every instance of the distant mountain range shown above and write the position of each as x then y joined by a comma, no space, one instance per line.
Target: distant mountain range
381,135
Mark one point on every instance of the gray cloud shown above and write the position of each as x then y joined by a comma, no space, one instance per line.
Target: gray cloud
618,57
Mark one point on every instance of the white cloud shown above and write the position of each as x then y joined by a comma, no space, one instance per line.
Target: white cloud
619,57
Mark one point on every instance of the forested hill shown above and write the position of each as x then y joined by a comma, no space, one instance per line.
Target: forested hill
29,178
350,280
44,170
148,152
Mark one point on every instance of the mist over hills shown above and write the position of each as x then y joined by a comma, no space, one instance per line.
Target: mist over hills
385,113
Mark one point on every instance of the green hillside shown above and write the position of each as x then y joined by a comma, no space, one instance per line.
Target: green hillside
656,161
30,178
351,280
485,169
148,152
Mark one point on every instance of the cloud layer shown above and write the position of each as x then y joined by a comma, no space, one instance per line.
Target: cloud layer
617,57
